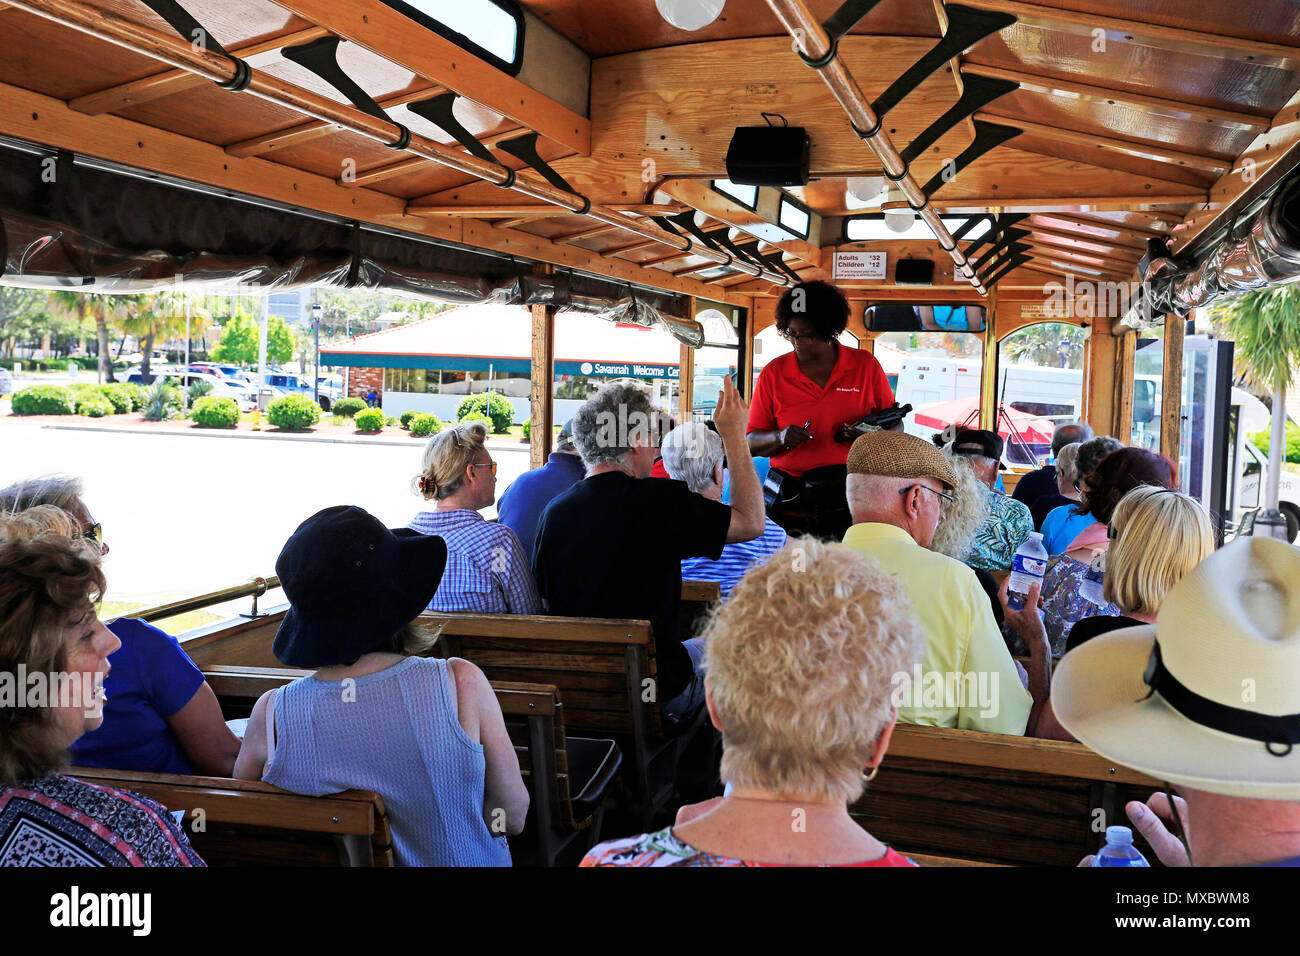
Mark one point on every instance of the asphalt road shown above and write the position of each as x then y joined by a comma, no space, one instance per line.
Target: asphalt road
184,514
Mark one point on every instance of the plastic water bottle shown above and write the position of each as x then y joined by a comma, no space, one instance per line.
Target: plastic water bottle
1092,587
1029,565
1119,850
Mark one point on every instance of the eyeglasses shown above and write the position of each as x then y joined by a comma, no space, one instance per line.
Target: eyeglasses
94,533
949,499
487,464
810,337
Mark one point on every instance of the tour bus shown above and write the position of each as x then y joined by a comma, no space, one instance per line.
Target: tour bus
1038,169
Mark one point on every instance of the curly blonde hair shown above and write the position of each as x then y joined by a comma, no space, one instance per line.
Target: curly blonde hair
961,520
800,661
446,457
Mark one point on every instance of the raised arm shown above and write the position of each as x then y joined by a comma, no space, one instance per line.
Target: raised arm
747,515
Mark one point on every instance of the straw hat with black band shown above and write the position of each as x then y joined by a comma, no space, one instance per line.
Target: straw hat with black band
1209,697
352,584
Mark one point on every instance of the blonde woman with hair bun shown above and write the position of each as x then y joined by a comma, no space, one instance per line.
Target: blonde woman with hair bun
488,571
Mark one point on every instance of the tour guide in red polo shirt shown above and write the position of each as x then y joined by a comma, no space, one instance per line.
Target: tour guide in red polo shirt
804,407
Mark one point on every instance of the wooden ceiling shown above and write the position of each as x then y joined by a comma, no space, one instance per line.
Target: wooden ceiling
1139,118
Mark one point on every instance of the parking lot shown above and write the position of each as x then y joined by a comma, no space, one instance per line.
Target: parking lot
188,513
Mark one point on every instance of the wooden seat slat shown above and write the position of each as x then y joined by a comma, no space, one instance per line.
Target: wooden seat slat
537,627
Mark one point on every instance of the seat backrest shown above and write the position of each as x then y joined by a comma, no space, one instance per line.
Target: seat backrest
995,798
249,822
604,669
533,714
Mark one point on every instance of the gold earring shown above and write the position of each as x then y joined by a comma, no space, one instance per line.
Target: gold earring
868,777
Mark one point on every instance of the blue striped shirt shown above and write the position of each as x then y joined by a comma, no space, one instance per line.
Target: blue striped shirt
736,559
487,570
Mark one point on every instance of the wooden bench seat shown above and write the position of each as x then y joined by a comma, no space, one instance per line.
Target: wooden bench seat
567,802
247,822
995,798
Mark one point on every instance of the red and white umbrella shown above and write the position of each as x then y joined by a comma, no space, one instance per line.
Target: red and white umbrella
966,412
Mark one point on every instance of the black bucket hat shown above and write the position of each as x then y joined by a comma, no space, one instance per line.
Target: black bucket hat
352,584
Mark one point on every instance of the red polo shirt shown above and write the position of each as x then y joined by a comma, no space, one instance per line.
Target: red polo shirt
785,396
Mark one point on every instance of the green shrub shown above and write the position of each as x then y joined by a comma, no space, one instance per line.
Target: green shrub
44,400
470,418
197,390
494,406
123,401
1261,440
528,429
212,412
369,420
425,424
161,402
391,422
94,406
293,413
348,407
405,419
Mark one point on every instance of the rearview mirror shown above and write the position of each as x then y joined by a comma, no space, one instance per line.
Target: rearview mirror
892,317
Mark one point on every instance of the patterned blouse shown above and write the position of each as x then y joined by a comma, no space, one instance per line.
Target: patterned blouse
60,821
1063,605
664,849
1005,529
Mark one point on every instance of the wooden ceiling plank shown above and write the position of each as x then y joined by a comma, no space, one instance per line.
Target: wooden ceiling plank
1101,262
1056,246
378,174
389,34
1120,203
1176,109
314,129
514,223
1180,39
1088,221
1102,165
632,247
1080,237
416,208
586,233
658,259
1270,156
1153,152
258,53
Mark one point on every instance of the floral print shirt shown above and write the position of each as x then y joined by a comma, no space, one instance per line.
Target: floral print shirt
664,849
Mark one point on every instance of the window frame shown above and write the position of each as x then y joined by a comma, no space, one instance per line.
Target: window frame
787,199
713,184
429,22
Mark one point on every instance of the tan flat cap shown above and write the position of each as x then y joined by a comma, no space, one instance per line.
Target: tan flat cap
899,455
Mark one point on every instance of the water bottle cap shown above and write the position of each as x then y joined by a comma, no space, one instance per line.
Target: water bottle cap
1122,836
1036,536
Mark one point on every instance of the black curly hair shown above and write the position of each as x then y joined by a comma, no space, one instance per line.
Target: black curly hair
818,303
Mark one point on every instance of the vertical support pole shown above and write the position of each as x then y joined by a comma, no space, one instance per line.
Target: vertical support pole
541,391
989,370
747,332
686,375
1171,399
263,389
686,384
1125,354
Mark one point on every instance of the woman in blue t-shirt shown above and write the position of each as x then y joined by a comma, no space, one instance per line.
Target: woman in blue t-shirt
160,716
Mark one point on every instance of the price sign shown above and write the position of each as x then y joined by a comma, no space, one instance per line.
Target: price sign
860,265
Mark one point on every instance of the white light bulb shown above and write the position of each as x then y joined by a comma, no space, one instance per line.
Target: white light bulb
866,190
899,220
690,14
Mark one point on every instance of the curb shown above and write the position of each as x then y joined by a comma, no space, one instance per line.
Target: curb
269,436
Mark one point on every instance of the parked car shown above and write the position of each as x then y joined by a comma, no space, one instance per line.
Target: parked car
245,396
287,383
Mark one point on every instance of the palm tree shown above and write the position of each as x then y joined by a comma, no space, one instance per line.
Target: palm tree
105,310
160,314
1265,327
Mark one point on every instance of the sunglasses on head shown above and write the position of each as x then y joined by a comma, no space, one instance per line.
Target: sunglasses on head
94,533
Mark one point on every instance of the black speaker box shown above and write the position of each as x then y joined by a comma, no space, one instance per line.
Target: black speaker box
914,272
769,156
